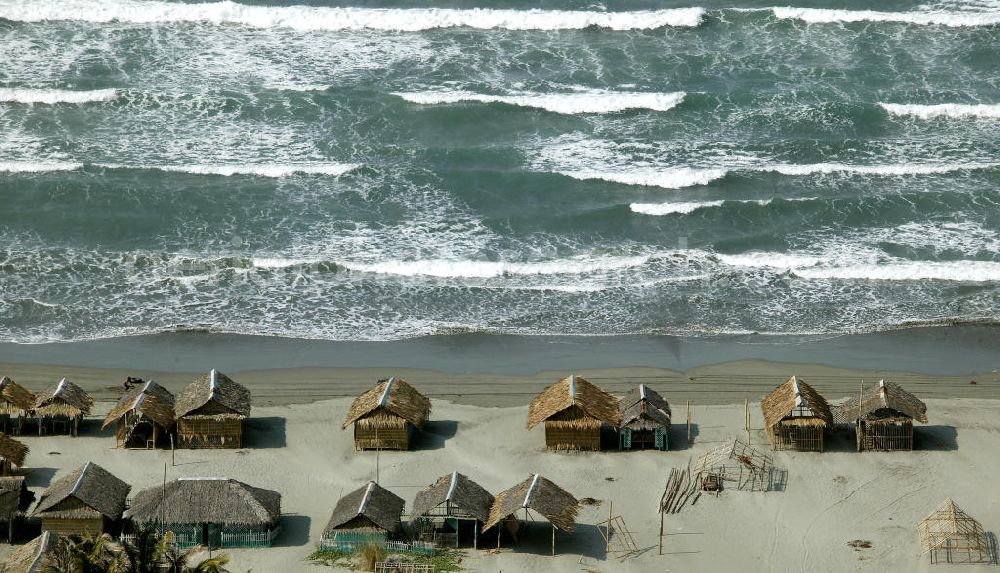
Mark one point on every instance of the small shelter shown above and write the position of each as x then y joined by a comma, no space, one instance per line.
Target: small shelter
16,404
538,494
216,512
953,534
369,514
15,499
210,412
87,500
795,417
447,504
573,410
12,454
736,463
62,407
145,416
645,420
386,417
883,416
36,555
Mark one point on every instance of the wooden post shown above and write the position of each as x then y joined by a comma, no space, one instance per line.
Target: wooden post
553,540
746,418
689,421
661,531
173,455
857,422
475,534
607,544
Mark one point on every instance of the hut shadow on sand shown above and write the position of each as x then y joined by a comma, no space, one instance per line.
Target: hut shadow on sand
435,435
265,432
935,438
534,538
39,477
679,436
294,531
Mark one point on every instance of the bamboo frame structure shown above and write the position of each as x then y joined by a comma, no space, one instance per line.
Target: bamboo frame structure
736,463
951,533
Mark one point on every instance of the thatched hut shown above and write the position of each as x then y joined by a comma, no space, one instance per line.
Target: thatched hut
953,534
883,417
440,510
211,411
16,404
62,407
216,512
386,417
15,499
540,495
145,416
645,420
574,411
87,500
795,417
12,454
36,555
369,514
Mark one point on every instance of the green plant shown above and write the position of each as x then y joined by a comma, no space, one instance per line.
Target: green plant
443,561
369,555
330,557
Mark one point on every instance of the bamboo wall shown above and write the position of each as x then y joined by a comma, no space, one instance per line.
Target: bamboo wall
199,433
885,435
73,526
385,437
798,437
560,437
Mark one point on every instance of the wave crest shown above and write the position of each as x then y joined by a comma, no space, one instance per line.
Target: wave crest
53,96
952,110
590,101
922,18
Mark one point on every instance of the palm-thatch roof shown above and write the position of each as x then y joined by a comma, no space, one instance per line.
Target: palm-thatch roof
15,400
574,391
152,400
213,395
15,496
63,399
457,490
12,450
794,395
35,555
369,505
87,492
206,500
881,400
393,396
537,493
643,408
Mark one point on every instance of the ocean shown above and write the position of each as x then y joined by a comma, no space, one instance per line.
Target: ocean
395,169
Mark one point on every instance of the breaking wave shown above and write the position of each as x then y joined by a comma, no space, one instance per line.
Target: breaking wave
51,96
590,101
953,110
923,18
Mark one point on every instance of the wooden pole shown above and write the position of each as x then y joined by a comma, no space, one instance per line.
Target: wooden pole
475,534
857,422
746,418
607,544
553,540
173,452
689,420
661,531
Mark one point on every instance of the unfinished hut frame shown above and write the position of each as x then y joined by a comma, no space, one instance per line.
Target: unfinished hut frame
88,500
883,417
370,514
645,420
61,408
796,417
16,405
953,535
573,411
735,463
144,417
214,512
211,412
441,509
537,494
387,416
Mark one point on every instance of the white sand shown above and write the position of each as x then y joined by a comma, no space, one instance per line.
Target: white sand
831,498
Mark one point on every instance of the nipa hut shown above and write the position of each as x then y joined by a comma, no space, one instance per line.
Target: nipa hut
62,407
386,417
573,411
369,514
145,416
16,404
883,417
951,533
87,500
540,495
215,512
38,555
795,417
441,509
645,420
211,411
12,454
15,498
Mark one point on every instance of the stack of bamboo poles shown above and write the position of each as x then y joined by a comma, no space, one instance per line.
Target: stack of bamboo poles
681,486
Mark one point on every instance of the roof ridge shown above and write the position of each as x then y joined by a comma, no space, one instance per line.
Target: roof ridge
385,393
366,498
798,393
642,391
213,382
79,480
451,488
572,386
60,386
531,491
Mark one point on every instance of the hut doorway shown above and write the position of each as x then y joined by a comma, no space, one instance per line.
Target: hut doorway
138,432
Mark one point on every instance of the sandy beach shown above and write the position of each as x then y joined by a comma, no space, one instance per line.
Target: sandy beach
295,445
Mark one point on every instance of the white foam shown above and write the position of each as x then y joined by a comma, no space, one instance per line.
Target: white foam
669,208
259,169
489,269
963,271
590,101
48,96
953,110
895,169
308,18
37,166
923,18
667,178
772,260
